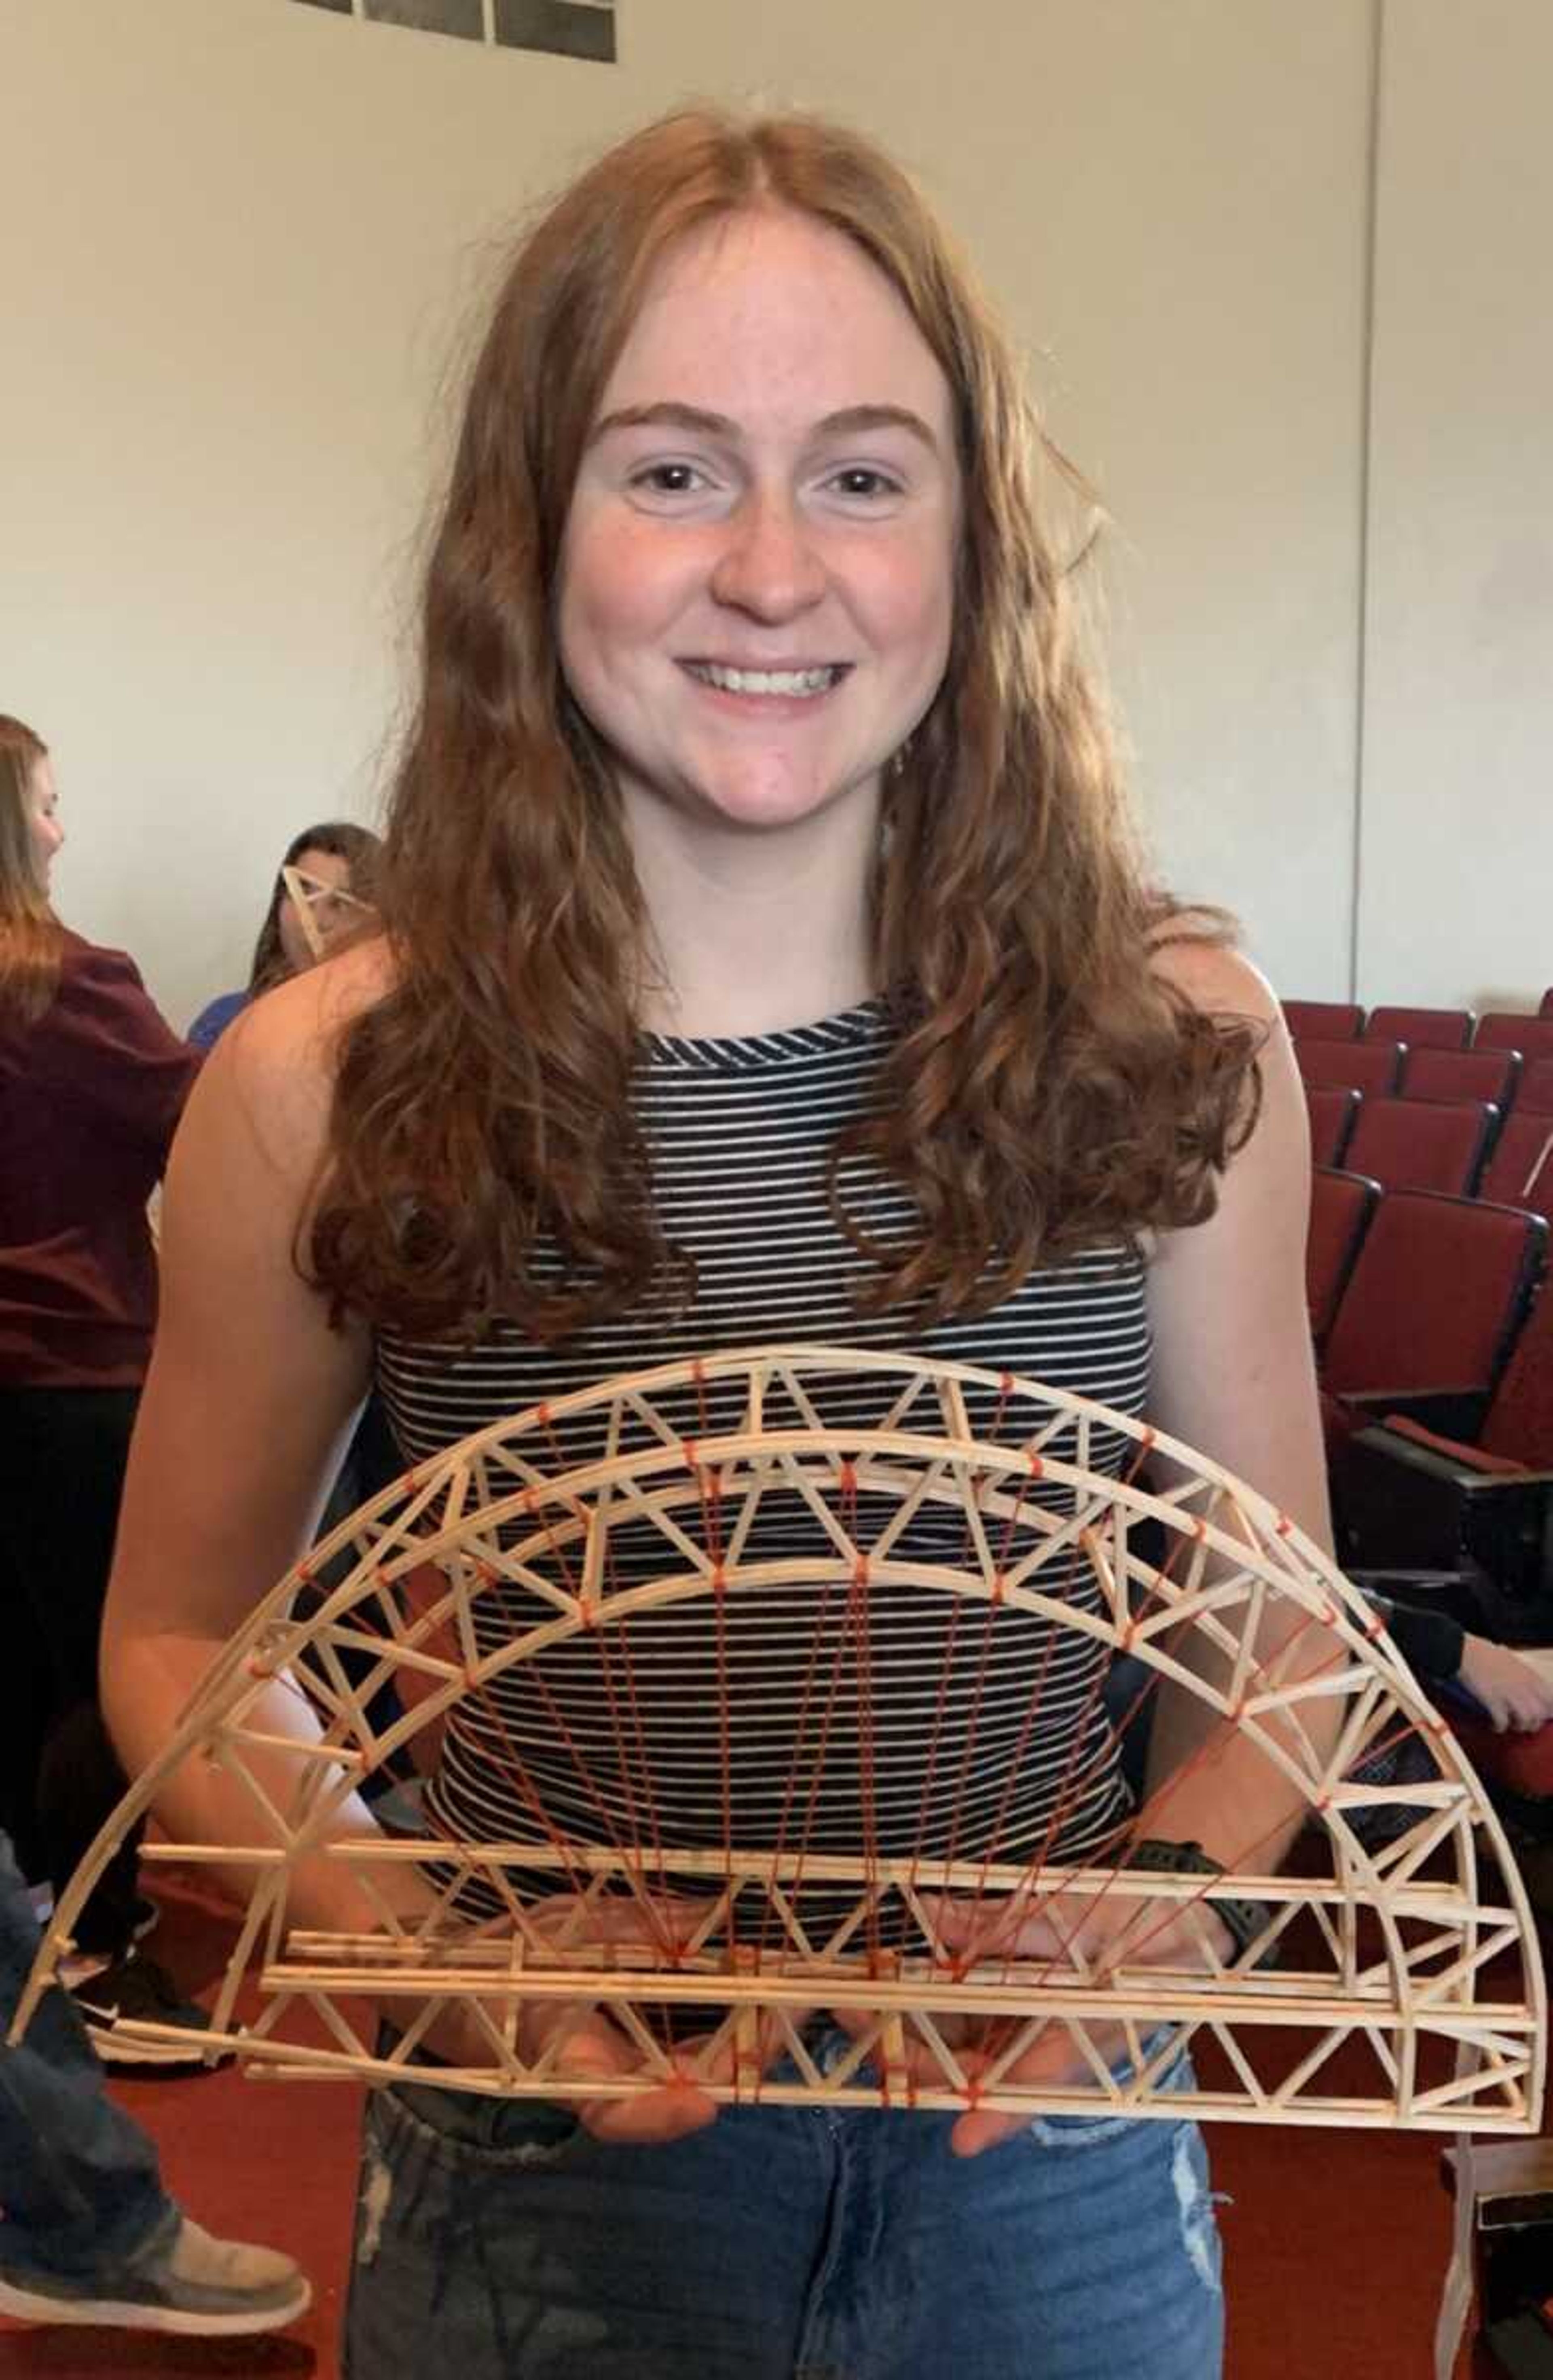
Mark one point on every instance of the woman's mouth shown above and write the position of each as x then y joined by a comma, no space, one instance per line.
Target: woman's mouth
790,684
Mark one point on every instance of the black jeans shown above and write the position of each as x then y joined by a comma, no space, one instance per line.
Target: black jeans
62,1460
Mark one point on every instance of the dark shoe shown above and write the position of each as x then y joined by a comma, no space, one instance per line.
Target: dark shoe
131,1995
202,2287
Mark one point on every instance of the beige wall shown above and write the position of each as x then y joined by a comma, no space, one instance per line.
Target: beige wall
236,237
1457,850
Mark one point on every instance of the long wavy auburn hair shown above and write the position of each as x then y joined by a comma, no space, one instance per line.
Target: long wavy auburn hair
30,935
1044,1091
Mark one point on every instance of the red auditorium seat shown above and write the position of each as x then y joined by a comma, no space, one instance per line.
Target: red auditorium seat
1414,1499
1368,1066
1422,1144
1324,1020
1460,1074
1340,1207
1547,1007
1536,1095
1331,1110
1421,1028
1520,1171
1532,1035
1432,1307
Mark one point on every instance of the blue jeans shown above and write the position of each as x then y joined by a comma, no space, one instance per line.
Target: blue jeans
499,2242
80,2186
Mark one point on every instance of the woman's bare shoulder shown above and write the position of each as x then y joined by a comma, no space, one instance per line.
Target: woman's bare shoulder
1212,973
275,1063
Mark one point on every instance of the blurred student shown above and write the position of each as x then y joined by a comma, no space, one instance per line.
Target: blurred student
92,1081
87,2234
322,888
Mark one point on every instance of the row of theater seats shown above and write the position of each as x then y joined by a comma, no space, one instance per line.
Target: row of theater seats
1448,1108
1404,1070
1423,1028
1433,1320
1419,1289
1434,1331
1468,1147
1433,1335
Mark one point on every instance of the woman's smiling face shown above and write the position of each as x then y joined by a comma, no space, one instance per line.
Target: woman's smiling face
757,572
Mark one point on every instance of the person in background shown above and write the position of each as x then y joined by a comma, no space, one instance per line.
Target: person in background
322,888
88,2233
1489,1679
92,1081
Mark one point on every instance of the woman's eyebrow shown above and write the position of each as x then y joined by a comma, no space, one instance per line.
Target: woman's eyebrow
664,417
849,421
853,419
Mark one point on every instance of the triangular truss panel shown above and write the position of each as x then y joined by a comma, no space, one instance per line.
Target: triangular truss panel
886,1589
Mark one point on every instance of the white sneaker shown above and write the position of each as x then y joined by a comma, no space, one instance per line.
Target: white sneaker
204,2288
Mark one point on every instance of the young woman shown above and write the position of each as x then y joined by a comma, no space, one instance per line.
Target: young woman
92,1083
765,958
323,889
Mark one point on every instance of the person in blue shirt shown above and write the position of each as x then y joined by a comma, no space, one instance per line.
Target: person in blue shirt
322,888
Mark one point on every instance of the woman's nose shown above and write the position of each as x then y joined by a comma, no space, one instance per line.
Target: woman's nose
769,566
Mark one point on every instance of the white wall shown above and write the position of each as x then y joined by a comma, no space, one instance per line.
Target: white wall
1457,851
238,237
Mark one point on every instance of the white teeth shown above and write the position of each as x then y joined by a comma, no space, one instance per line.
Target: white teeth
736,681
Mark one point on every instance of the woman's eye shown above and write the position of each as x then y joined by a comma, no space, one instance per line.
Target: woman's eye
667,479
862,480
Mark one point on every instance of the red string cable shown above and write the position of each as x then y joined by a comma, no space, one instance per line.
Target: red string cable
858,1621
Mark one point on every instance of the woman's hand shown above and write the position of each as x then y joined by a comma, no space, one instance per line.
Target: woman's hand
588,2048
1511,1692
1077,1937
585,2044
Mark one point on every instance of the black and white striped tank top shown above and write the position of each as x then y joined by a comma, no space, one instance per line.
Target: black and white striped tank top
739,1134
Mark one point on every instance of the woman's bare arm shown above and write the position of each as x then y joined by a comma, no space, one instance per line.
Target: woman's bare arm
1235,1378
247,1405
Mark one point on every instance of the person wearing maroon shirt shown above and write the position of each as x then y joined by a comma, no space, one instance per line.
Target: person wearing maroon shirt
92,1081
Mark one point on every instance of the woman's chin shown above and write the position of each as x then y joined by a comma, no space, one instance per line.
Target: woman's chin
774,807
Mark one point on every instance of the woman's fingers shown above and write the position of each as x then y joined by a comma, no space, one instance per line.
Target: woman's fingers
983,2129
1091,1933
658,1921
591,2049
1061,1929
1018,1927
1052,2060
649,2117
665,2112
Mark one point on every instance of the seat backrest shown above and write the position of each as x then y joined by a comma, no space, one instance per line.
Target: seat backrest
1519,1421
1436,1296
1547,1007
1332,1109
1460,1074
1324,1020
1422,1144
1340,1207
1421,1028
1536,1095
1532,1035
1368,1066
1520,1171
